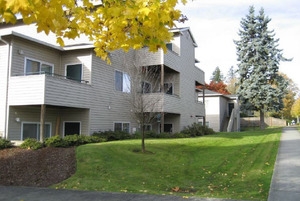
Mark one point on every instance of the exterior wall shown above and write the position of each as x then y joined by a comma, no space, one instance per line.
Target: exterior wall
107,104
212,108
32,114
22,49
96,104
224,114
4,52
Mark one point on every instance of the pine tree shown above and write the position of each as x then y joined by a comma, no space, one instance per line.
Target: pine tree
261,88
217,75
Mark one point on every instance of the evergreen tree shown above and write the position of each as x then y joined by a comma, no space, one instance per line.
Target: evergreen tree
231,80
217,75
261,88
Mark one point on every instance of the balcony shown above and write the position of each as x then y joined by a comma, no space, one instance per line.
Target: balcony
171,104
49,90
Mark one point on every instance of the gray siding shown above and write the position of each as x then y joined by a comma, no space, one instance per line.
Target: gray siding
97,104
32,114
44,89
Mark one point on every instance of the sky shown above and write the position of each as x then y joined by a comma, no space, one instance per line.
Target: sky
215,24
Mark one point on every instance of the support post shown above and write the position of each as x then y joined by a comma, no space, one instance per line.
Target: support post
42,122
162,89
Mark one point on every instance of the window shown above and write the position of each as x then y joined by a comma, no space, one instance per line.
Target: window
122,81
33,67
32,130
168,128
168,88
147,127
74,72
71,128
146,87
121,126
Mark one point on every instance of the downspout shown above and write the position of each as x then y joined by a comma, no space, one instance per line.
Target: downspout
6,93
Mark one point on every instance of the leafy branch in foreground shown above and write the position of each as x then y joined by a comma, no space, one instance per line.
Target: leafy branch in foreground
110,24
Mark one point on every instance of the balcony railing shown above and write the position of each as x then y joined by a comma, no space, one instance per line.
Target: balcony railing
53,74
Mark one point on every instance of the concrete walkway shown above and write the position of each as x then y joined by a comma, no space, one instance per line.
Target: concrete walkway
8,193
285,185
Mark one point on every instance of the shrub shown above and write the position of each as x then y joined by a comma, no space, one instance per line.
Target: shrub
5,143
113,135
197,129
31,143
56,141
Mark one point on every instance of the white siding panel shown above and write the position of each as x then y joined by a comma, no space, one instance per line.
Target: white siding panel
26,90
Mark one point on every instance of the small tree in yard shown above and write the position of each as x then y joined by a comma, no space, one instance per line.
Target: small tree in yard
146,92
261,88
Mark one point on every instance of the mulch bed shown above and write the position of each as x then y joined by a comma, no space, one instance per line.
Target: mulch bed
41,168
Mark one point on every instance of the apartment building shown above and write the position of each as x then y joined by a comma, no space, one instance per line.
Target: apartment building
69,90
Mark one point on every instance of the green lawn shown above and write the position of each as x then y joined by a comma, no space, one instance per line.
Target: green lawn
224,165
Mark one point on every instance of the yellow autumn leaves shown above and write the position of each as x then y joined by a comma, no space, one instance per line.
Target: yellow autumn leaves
110,24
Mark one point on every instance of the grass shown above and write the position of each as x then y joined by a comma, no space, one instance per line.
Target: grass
224,165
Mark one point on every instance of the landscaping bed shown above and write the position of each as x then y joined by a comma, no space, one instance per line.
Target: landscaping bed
43,167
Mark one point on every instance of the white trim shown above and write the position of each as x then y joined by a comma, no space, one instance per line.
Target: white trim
37,123
64,122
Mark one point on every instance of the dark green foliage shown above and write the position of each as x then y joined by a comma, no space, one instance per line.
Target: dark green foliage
5,143
56,141
197,129
72,140
217,75
112,135
31,143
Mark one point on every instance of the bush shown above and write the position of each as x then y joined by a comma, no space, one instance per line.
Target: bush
56,141
5,143
197,129
71,140
31,143
113,135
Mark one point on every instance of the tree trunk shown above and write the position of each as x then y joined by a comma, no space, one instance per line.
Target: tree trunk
143,139
262,119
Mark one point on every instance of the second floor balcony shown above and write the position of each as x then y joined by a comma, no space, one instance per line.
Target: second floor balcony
48,89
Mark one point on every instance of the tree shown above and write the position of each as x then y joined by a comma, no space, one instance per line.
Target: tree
261,88
217,75
110,24
295,111
145,90
231,80
288,100
219,87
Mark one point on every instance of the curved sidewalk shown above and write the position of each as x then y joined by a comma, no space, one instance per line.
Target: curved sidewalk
285,183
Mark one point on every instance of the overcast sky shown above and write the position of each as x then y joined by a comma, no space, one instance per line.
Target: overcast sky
215,24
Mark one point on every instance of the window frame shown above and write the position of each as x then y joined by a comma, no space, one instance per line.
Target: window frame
168,86
122,126
64,126
74,64
124,82
38,129
40,66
